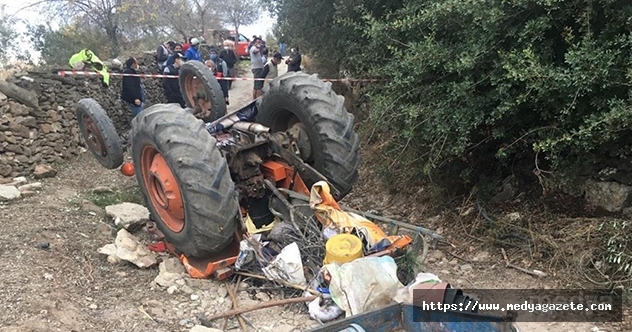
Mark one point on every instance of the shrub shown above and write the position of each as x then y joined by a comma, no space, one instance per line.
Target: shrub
478,84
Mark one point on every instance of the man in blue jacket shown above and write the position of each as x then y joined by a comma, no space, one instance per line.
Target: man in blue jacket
193,52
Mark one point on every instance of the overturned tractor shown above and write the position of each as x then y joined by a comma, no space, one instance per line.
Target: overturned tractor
202,171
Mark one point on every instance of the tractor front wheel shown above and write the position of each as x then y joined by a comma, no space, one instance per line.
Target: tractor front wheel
184,179
99,133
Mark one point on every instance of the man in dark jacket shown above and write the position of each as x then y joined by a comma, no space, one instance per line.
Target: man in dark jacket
162,54
176,49
230,58
172,85
294,61
131,89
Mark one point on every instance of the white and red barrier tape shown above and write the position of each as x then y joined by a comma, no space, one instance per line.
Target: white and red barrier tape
93,73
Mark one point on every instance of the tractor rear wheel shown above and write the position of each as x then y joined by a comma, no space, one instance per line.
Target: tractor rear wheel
308,109
184,179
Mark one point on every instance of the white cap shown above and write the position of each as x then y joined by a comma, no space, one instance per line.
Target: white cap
194,41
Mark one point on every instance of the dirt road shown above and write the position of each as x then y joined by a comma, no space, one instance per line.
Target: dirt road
67,286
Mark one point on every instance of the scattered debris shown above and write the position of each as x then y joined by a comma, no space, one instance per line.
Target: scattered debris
349,282
128,215
287,266
276,303
44,171
170,271
8,193
126,247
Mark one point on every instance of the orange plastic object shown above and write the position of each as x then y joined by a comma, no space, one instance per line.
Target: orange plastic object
215,265
281,173
127,169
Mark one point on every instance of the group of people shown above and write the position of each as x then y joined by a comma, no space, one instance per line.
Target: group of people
264,69
171,55
222,64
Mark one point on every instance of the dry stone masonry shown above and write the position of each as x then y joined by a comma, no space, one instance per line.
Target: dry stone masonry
37,120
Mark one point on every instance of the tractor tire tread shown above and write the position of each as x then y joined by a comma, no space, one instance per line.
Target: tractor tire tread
202,172
114,157
322,111
197,68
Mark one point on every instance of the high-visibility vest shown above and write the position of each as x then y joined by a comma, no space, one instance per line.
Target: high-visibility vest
86,56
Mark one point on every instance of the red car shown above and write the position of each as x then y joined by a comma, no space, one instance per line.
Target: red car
241,45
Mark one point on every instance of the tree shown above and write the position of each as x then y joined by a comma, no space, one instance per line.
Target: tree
55,46
240,12
7,33
189,17
103,14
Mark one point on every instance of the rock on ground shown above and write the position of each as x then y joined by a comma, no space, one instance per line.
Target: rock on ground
611,196
30,186
127,214
8,193
170,270
44,171
127,247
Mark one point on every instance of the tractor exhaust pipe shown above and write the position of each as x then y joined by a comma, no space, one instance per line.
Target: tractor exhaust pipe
225,123
251,126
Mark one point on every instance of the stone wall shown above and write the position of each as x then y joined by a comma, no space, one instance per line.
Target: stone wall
47,134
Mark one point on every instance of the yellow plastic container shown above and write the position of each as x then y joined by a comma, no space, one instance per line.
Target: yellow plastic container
342,248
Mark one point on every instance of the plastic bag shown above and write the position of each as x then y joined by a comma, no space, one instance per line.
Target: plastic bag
287,266
365,284
246,253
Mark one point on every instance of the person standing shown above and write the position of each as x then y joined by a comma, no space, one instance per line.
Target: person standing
170,85
271,69
229,41
256,66
193,52
176,49
162,54
132,91
229,56
220,70
186,44
294,61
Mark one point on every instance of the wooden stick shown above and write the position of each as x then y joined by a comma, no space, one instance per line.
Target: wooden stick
284,283
508,265
231,292
458,257
263,306
146,314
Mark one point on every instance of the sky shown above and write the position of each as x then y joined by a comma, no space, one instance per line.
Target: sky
32,15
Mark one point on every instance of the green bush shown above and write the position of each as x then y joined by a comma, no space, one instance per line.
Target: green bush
485,82
474,86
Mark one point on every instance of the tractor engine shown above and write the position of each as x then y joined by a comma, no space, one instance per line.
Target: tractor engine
245,152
